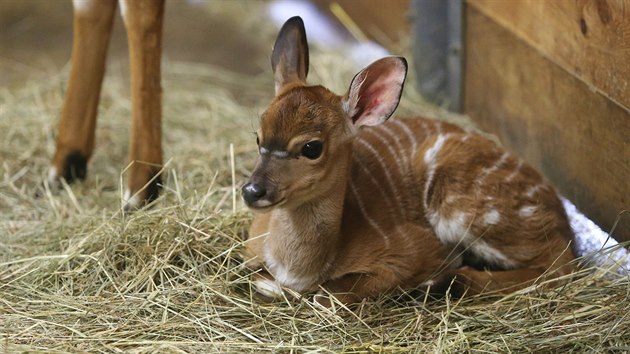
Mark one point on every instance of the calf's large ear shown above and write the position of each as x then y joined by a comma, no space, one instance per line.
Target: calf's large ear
289,59
375,91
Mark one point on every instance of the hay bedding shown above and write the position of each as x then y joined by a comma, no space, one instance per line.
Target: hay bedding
78,275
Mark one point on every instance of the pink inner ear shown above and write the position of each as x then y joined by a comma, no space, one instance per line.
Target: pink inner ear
374,103
374,92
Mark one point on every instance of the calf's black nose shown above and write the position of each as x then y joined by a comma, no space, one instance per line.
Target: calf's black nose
253,192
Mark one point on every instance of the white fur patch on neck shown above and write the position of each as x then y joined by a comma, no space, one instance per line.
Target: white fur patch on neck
282,273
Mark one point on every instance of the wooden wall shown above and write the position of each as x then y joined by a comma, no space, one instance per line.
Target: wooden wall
385,22
552,79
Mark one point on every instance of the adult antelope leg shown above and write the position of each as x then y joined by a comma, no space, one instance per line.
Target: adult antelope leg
143,20
75,141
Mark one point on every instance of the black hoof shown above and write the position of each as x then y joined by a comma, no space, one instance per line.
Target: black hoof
75,167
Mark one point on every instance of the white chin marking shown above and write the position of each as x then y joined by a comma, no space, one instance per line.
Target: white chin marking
131,201
261,203
268,288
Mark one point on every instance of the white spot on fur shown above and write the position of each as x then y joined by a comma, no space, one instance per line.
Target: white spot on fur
268,288
82,6
531,191
490,254
450,199
452,230
527,211
492,217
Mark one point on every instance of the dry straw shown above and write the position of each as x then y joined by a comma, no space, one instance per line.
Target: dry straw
76,274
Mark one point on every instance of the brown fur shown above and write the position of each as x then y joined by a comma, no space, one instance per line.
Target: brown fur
395,205
75,142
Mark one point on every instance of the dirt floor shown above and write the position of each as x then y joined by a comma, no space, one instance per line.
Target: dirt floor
36,38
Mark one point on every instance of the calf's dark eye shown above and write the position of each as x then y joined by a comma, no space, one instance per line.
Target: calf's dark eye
312,149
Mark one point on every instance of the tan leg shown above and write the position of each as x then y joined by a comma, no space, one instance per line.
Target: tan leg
402,267
143,20
75,141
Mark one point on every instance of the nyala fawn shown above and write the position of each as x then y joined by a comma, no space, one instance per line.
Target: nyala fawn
352,205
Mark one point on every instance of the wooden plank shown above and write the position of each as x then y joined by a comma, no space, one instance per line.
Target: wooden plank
386,23
578,138
437,50
588,38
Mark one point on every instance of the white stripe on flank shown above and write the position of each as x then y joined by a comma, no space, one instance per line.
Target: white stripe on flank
390,181
371,221
514,173
396,139
430,156
384,195
489,170
399,163
430,160
410,135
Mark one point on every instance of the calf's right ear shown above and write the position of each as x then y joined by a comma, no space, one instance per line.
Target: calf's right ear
289,59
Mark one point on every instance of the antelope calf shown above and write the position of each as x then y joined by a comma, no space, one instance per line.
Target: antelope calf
358,206
93,21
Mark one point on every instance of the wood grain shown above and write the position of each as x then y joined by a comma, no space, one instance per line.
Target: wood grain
577,137
387,23
588,38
